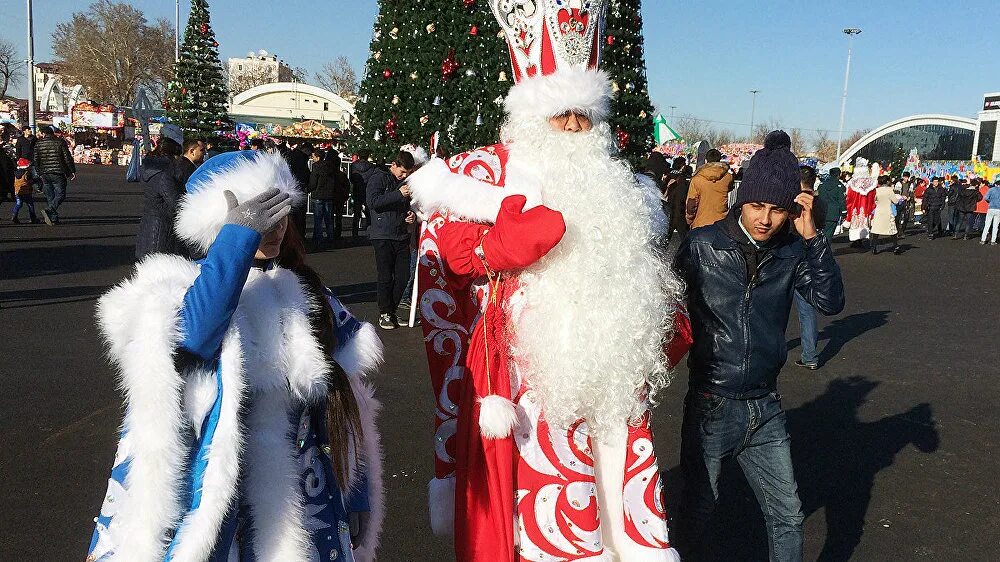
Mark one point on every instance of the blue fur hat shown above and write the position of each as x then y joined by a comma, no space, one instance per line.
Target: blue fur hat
246,173
772,175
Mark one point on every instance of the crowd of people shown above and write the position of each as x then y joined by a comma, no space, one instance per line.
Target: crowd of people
32,165
553,316
957,206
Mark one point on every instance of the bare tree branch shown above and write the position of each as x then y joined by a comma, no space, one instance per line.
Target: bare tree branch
250,77
339,77
111,48
11,69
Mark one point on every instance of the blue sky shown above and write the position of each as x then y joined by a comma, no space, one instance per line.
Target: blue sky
914,56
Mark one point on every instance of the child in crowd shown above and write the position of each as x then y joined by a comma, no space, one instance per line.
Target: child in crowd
25,179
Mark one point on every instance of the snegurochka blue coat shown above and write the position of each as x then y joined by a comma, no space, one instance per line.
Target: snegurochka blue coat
223,455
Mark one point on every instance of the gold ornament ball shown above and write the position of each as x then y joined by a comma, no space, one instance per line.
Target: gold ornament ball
431,28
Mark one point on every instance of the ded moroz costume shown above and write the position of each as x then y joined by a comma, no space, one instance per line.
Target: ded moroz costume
224,451
861,199
549,315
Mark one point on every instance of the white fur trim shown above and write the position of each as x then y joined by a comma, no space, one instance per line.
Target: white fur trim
141,346
420,156
199,396
271,481
199,531
362,354
306,365
140,321
569,89
497,416
441,495
203,211
436,188
372,461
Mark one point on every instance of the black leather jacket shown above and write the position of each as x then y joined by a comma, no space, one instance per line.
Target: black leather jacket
52,156
739,299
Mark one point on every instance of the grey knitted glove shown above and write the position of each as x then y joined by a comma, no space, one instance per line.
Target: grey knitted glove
261,213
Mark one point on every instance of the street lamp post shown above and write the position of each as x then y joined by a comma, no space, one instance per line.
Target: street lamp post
31,70
177,30
753,112
850,32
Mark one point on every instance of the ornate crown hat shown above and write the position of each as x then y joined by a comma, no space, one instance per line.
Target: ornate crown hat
555,50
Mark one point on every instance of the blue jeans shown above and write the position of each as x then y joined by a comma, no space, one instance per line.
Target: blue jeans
752,432
323,214
27,200
408,291
54,186
807,326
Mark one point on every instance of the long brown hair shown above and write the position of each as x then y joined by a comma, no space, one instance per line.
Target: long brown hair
343,418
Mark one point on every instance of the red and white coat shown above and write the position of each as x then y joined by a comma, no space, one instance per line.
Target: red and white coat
533,495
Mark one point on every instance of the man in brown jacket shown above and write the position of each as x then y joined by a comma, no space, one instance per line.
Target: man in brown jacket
707,200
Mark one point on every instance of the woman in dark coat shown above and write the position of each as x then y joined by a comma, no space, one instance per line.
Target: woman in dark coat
161,193
833,193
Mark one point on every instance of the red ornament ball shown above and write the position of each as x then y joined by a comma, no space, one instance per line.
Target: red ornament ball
449,66
469,3
387,74
203,28
611,39
623,138
390,128
474,30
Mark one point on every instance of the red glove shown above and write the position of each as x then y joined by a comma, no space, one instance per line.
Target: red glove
520,238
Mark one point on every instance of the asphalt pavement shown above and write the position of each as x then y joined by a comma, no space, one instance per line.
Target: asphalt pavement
894,439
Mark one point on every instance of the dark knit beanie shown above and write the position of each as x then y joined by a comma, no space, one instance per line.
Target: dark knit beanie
772,175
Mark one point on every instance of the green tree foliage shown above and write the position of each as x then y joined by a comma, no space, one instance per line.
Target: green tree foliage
434,66
624,60
196,98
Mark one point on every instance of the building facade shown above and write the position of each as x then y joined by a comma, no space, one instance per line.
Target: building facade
987,142
254,70
286,103
45,71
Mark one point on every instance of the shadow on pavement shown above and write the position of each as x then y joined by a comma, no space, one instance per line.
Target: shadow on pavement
75,238
843,330
29,297
23,263
836,457
355,292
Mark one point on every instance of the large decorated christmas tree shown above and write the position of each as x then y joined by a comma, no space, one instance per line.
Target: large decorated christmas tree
196,97
434,66
624,60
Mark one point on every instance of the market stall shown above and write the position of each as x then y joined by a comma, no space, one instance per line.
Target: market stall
98,134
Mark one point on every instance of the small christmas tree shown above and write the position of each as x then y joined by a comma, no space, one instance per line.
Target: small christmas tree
623,58
434,66
196,97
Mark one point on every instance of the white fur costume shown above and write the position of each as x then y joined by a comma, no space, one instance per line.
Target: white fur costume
247,414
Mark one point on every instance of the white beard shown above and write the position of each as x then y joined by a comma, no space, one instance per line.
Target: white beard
590,328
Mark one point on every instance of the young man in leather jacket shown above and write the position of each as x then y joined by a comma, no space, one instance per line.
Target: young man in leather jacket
741,274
